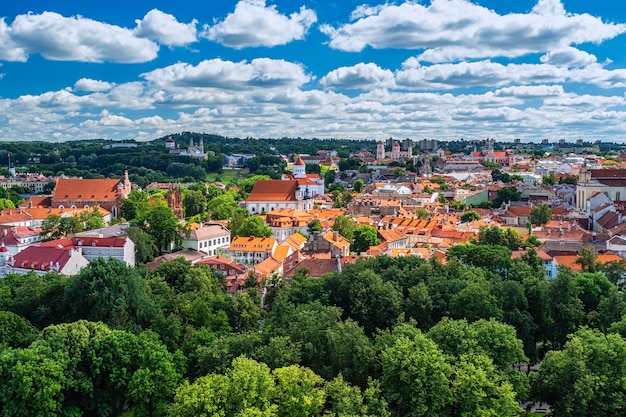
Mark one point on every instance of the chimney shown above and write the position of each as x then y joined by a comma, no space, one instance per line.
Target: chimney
335,236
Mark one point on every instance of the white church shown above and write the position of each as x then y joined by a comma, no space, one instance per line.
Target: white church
309,184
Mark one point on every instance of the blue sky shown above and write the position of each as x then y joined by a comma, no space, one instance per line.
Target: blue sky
440,69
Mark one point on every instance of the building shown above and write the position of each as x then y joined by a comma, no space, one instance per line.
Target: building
120,248
251,250
87,193
309,185
18,238
269,195
397,152
284,222
234,272
328,242
42,260
208,238
611,182
175,201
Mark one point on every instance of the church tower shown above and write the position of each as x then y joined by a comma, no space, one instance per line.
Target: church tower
380,150
175,201
299,168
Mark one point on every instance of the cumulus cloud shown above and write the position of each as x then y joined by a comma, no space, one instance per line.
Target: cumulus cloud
228,75
9,50
450,30
165,29
76,38
254,24
89,85
361,75
568,57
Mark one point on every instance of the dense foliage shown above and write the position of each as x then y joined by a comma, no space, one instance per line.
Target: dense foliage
386,337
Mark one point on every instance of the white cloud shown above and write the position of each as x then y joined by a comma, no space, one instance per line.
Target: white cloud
254,24
361,75
228,75
165,29
450,30
61,38
87,84
569,57
9,51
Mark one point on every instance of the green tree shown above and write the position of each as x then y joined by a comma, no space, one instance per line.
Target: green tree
540,214
5,203
15,331
565,309
314,226
345,226
136,203
470,216
422,214
588,260
474,302
160,222
194,203
586,378
358,186
254,226
145,245
364,237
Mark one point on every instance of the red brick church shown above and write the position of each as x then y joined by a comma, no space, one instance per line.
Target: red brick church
87,193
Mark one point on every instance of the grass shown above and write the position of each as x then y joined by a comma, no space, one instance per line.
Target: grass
228,176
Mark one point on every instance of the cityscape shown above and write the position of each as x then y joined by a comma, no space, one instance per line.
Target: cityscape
277,208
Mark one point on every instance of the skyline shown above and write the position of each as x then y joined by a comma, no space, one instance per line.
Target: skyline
445,69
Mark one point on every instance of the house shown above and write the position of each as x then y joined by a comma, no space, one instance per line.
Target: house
18,238
328,242
393,238
41,260
208,238
284,222
234,272
87,193
120,248
269,195
252,250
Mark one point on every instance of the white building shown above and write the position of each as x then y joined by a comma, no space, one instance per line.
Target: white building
208,238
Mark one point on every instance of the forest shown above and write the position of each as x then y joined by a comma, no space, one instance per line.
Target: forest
385,337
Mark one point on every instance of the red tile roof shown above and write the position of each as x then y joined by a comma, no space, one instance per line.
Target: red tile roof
86,189
273,190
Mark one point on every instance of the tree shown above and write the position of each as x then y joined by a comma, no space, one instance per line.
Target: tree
506,194
160,222
358,186
364,237
194,203
416,376
314,226
422,214
345,226
136,203
470,216
254,226
586,378
145,245
566,310
588,260
540,214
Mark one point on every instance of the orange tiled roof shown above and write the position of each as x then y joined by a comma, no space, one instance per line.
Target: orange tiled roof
86,189
252,244
273,190
266,267
281,252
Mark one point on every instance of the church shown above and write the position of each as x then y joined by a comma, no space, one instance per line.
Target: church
309,185
611,182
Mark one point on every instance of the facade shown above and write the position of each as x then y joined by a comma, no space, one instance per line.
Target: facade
175,201
330,241
309,185
41,260
17,238
252,250
87,193
269,195
396,152
208,238
285,222
120,248
611,182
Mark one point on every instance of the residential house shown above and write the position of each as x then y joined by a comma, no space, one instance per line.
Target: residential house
234,272
284,222
41,260
210,238
252,250
18,238
120,248
328,242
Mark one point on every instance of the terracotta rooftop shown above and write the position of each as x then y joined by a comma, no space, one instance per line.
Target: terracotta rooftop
252,244
85,189
273,190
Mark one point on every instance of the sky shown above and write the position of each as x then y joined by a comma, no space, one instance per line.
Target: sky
438,69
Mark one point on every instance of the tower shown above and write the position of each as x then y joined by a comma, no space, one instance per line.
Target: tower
380,150
299,168
175,201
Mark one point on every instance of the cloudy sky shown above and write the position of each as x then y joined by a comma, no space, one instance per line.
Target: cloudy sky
441,69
